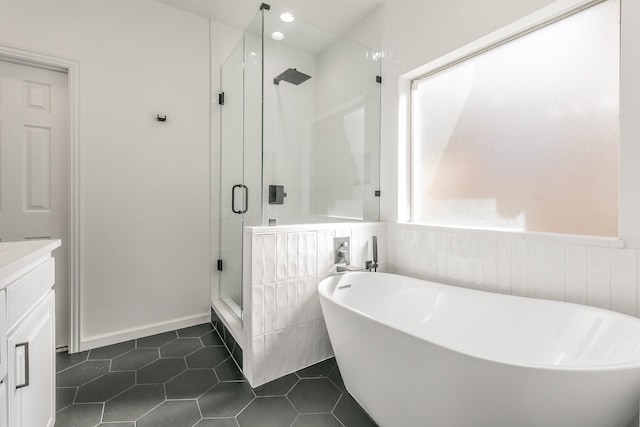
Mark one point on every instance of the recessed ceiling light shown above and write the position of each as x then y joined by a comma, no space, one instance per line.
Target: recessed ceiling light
277,35
287,17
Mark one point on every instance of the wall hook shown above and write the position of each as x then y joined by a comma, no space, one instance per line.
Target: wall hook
162,119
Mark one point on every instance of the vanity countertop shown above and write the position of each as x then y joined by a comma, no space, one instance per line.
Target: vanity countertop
14,256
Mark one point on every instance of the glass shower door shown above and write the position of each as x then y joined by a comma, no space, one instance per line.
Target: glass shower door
233,192
240,157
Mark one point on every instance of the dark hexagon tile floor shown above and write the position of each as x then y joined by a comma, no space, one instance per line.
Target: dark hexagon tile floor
172,413
106,387
229,371
317,420
314,395
160,371
134,360
217,422
158,340
268,412
111,351
133,403
195,331
207,357
225,400
186,378
82,373
65,397
180,347
279,387
66,360
191,384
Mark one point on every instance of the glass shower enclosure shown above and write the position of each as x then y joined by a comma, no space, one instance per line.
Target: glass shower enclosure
240,160
300,135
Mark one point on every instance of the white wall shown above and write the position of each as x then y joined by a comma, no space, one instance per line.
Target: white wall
413,33
289,117
144,185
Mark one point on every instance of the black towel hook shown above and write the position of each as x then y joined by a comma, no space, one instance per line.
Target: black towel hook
162,119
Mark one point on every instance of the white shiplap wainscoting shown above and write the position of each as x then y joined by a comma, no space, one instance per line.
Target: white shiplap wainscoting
283,322
591,271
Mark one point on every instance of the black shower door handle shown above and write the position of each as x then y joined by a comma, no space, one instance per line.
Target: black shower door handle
246,199
233,199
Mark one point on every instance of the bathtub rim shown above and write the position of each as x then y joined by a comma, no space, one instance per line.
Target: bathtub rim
323,292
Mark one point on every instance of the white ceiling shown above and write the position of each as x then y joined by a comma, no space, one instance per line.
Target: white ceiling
336,16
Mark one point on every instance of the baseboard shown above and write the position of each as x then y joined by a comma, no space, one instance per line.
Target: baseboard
102,340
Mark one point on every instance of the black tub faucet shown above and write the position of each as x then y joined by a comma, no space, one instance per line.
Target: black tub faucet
373,265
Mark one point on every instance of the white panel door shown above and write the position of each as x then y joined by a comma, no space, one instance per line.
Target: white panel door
32,368
34,168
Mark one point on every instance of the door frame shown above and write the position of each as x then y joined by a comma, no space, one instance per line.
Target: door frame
72,68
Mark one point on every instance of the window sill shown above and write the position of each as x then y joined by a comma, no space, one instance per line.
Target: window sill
569,239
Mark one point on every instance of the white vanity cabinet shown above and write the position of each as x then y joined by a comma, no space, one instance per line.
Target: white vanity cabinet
27,275
4,356
32,368
4,420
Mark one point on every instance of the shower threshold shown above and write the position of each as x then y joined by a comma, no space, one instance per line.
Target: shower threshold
234,307
231,315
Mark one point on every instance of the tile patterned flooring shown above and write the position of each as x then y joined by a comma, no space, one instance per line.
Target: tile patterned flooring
187,378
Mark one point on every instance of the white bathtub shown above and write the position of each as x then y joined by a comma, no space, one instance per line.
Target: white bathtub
416,353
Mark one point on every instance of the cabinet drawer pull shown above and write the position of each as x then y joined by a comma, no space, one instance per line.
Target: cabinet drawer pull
22,353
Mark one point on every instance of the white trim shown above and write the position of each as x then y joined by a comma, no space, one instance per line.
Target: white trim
72,68
101,340
629,196
261,229
545,16
404,150
575,239
235,308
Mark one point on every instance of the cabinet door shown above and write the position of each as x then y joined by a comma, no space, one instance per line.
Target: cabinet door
3,405
32,368
3,337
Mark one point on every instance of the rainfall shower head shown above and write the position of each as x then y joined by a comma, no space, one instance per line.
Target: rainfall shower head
292,76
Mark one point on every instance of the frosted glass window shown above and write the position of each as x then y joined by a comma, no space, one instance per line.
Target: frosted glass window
525,136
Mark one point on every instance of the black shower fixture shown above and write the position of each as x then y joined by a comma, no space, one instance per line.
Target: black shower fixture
292,76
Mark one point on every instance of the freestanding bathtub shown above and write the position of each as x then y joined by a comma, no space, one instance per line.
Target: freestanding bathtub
415,353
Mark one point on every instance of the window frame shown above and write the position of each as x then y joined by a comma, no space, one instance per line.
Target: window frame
540,19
